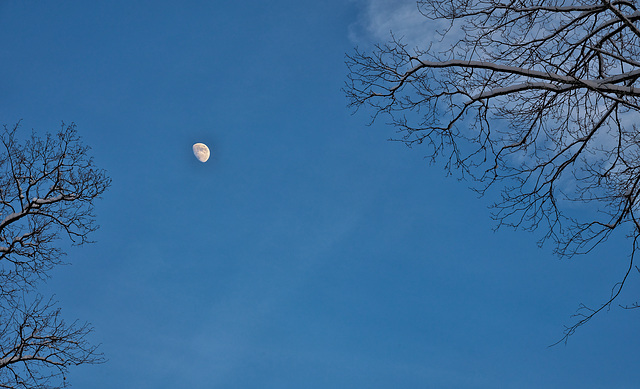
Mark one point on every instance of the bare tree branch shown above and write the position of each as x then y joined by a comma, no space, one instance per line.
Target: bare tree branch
539,96
37,347
47,189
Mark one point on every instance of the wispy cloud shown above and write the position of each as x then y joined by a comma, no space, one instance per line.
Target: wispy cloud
379,18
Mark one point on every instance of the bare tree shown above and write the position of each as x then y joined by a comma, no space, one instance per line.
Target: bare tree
47,189
37,346
539,96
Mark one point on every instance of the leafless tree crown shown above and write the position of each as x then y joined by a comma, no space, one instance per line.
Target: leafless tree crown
540,96
37,346
47,189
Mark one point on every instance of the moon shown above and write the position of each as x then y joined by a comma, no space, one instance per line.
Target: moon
201,151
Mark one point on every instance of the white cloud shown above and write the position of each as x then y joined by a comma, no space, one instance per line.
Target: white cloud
378,18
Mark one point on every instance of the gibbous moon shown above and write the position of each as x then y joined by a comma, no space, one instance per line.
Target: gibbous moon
201,151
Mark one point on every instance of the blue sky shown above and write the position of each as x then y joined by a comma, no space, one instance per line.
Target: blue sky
308,252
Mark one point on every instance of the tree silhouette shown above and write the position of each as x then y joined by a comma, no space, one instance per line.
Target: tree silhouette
540,97
47,189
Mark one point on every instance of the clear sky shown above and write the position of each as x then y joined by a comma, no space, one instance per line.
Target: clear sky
308,252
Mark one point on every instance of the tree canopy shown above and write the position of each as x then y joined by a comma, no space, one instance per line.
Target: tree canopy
47,189
536,97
